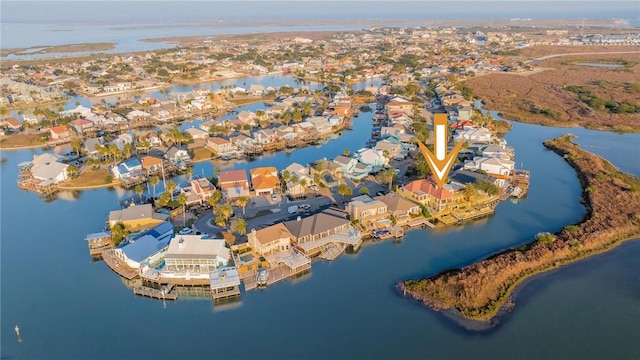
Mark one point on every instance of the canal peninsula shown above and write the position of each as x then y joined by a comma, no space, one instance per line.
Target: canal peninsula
480,291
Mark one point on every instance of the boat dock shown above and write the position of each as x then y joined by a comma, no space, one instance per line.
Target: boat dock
277,273
164,293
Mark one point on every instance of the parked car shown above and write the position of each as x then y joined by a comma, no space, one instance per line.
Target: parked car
314,188
274,197
185,231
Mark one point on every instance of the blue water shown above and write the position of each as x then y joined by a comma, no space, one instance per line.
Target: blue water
69,307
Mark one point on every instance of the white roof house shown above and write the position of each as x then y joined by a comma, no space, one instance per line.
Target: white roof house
194,254
49,167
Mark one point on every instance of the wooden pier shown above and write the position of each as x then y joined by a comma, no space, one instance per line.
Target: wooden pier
164,293
118,265
277,273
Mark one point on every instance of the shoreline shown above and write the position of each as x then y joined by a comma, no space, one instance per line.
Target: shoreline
445,292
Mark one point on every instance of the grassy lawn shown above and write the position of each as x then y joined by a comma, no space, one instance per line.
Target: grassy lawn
240,101
89,178
19,140
200,154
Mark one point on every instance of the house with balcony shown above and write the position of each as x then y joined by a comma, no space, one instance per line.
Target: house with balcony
234,183
202,188
366,210
437,199
400,208
151,164
220,145
270,239
314,233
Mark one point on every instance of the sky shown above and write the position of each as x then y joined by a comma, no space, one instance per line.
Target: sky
55,11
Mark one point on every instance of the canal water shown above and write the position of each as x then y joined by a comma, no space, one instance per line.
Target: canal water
69,307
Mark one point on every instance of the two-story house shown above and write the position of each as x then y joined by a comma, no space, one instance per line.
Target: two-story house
436,199
264,180
270,239
367,210
234,183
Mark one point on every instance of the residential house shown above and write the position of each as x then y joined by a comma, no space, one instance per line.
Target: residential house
137,217
256,90
372,157
328,172
10,123
195,256
390,150
82,126
127,170
264,136
49,167
312,233
436,199
142,252
220,145
400,208
366,210
321,124
351,168
197,134
151,164
90,146
122,140
177,155
270,239
247,117
234,183
60,132
464,177
473,135
264,180
496,167
203,188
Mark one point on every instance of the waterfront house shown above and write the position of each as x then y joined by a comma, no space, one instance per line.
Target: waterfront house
194,256
320,123
197,134
264,136
160,232
473,135
49,167
142,252
234,183
151,164
372,157
437,199
60,132
121,140
90,146
313,233
203,188
82,126
497,167
264,180
329,172
351,168
400,208
256,90
10,123
390,149
220,145
136,217
177,155
366,210
127,169
464,177
270,239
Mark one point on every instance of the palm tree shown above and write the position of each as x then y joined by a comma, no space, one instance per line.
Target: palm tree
344,190
214,198
223,211
389,174
171,186
190,172
76,145
154,181
242,201
139,189
182,200
239,226
346,152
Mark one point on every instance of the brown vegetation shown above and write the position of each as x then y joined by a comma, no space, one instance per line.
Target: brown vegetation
59,49
88,179
544,97
478,291
18,141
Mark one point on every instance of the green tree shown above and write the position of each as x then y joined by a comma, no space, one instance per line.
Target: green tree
239,226
364,190
170,187
242,202
182,201
223,210
346,152
153,180
118,233
139,189
214,198
344,190
163,199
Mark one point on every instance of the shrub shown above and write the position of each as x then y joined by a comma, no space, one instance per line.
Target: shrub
546,238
